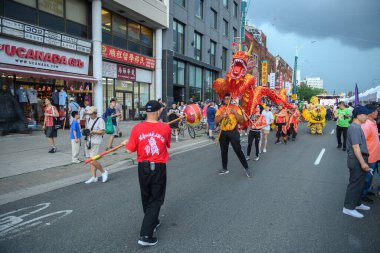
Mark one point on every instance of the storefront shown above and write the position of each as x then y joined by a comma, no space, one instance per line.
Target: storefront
36,63
126,81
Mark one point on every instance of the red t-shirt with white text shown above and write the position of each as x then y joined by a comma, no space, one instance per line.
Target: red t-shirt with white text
151,141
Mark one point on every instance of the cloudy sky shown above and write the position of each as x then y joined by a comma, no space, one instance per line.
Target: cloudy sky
347,34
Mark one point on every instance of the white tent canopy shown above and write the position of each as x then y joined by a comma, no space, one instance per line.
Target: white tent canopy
371,95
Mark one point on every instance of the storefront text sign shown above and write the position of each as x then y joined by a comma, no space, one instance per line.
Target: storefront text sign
126,73
109,69
128,57
28,55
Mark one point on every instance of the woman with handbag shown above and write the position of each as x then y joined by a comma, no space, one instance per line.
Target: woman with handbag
51,112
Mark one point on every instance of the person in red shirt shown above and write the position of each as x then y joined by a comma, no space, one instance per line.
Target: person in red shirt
50,131
292,127
280,121
151,140
258,122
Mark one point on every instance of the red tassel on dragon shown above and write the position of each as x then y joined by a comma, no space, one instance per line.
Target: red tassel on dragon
242,85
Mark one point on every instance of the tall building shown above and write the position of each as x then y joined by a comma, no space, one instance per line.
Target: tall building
197,47
314,82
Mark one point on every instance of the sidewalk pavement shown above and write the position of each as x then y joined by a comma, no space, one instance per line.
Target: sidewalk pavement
28,169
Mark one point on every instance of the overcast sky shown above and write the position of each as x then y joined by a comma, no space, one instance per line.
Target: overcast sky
347,34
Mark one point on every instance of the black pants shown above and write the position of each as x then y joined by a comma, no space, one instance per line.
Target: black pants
233,137
152,187
356,183
279,132
253,135
339,131
291,131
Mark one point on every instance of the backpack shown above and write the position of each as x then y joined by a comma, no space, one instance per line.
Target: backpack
109,126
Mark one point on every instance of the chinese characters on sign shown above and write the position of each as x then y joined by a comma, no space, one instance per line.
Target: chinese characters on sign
128,57
126,72
264,73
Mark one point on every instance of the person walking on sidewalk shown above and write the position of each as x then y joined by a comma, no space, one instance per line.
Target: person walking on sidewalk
150,139
96,129
357,162
75,135
173,114
258,122
373,144
49,128
266,129
210,115
343,117
229,116
111,112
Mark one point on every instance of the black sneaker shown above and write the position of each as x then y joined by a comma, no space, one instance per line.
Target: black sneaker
371,194
293,139
248,172
120,134
367,200
285,141
147,241
339,146
155,228
344,149
223,171
277,142
53,150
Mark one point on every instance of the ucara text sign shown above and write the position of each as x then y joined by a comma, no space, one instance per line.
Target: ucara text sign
128,57
28,55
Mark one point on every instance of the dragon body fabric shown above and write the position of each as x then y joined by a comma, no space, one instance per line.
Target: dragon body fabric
242,85
315,114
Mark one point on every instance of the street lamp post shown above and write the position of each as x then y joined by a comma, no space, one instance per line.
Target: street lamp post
298,49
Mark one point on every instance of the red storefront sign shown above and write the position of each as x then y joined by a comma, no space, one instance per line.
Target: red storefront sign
126,73
128,57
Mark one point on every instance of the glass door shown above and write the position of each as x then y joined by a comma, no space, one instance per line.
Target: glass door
125,99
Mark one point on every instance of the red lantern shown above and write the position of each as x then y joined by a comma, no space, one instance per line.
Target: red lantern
193,114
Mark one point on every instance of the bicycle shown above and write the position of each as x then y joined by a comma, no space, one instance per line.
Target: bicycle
183,126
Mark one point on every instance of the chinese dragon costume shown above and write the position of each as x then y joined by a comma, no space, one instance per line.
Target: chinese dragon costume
241,85
315,114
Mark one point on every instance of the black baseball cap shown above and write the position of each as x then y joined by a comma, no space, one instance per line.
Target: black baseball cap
153,106
360,110
371,108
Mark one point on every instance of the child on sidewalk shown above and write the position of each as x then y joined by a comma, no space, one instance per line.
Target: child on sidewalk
75,135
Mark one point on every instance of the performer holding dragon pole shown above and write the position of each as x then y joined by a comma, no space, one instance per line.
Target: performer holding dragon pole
281,121
292,127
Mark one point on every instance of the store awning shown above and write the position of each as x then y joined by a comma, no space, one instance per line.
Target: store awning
32,72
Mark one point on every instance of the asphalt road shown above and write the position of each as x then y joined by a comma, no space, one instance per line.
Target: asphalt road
290,205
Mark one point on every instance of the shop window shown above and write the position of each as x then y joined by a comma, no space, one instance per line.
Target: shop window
136,99
133,31
2,7
54,7
76,10
144,94
178,37
76,29
178,72
51,21
119,42
123,85
209,78
106,20
235,9
134,47
119,26
195,82
23,13
146,36
224,59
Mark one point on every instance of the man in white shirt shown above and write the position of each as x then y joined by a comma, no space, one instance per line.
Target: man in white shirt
269,119
96,126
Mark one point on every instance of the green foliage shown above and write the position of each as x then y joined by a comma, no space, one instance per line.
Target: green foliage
305,93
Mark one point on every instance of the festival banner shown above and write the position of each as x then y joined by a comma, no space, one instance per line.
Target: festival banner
128,57
264,73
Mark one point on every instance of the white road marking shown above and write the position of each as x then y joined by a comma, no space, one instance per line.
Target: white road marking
332,131
318,160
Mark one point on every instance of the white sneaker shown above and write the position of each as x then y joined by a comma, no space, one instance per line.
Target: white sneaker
352,213
105,176
256,158
77,161
91,180
264,150
363,207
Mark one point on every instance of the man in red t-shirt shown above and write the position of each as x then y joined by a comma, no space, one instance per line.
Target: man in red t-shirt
150,139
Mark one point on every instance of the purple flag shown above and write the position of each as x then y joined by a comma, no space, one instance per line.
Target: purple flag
356,101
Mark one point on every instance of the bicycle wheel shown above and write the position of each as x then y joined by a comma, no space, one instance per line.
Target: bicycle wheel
191,131
182,132
198,127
